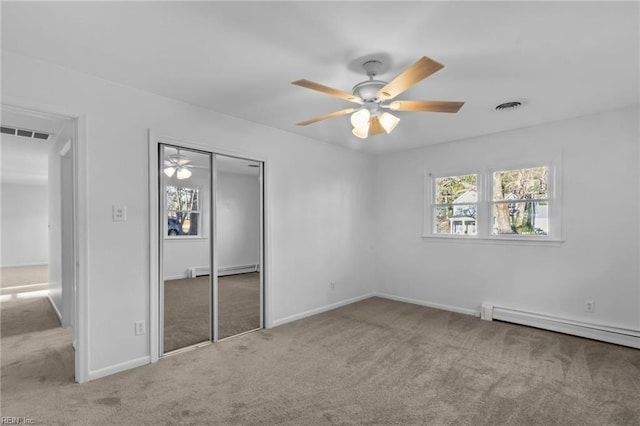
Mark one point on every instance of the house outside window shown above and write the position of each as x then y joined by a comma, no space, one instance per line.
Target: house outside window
500,204
183,211
455,207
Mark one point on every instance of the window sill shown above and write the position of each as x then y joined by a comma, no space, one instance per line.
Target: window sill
474,239
184,237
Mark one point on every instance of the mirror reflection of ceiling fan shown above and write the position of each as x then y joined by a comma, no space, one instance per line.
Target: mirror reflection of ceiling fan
375,98
179,165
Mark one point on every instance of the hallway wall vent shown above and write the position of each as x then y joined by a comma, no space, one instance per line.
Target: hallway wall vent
31,134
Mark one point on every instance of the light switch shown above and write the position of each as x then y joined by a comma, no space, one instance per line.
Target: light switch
119,213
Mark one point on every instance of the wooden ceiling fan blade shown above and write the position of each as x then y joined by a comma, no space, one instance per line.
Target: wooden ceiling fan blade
375,127
412,75
433,106
328,90
327,116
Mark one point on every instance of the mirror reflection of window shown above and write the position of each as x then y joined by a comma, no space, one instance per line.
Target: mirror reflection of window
183,211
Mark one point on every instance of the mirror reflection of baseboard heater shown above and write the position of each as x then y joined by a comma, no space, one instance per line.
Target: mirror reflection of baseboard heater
198,271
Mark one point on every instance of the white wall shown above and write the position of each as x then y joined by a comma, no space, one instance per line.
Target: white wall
238,220
61,262
597,261
182,253
320,202
24,224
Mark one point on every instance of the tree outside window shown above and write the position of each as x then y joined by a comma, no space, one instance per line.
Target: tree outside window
183,211
505,204
521,201
455,206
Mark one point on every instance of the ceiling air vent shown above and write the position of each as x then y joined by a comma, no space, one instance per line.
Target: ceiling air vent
31,134
39,135
509,106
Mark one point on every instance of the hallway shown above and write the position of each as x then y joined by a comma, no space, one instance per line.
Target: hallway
34,347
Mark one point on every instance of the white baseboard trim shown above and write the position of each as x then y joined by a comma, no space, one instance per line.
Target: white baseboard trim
113,369
55,308
616,335
176,277
19,265
320,310
459,310
234,270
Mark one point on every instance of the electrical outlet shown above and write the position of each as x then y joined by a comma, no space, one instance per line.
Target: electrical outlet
139,327
332,284
589,306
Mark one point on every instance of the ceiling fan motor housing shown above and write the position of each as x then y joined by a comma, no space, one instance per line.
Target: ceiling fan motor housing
368,90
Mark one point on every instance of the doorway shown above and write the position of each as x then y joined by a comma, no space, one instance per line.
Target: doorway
210,242
39,258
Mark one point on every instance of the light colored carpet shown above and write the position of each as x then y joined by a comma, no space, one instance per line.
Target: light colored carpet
23,275
186,308
238,304
33,346
25,307
20,316
376,362
186,312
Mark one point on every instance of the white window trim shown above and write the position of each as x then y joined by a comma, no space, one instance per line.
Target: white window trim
485,203
199,236
184,237
430,203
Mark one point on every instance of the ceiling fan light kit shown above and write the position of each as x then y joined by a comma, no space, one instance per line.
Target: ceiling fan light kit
389,121
183,173
179,165
374,96
169,171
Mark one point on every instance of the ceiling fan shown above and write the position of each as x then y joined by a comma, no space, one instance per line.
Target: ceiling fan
178,164
375,98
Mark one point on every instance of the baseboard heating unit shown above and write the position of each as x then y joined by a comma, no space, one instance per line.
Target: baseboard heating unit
198,271
619,336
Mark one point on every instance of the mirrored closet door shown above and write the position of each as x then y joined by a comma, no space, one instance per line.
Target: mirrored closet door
211,246
186,244
238,241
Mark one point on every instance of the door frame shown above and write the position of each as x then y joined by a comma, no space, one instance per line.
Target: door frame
155,246
80,207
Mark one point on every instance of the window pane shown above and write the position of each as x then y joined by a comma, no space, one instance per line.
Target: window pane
183,223
182,210
457,189
523,218
520,184
182,199
455,219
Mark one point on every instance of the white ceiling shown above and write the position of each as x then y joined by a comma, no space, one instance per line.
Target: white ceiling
563,59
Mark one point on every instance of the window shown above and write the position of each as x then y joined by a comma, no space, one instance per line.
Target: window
506,203
521,202
183,211
455,205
